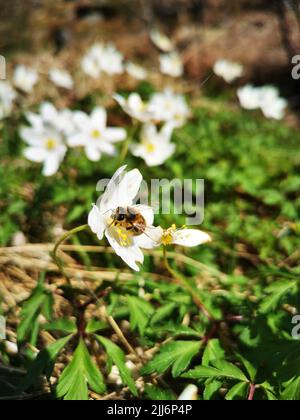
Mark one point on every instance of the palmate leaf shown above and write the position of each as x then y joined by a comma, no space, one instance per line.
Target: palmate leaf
213,351
40,301
44,362
276,292
81,372
221,369
140,313
64,325
177,355
118,358
292,391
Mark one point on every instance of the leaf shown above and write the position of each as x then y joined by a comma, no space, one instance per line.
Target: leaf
213,351
277,291
34,305
163,313
238,391
140,313
73,383
44,362
177,355
94,325
292,391
65,325
158,394
118,358
221,368
211,387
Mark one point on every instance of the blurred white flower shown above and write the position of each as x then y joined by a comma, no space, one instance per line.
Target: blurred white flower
171,64
183,237
169,107
120,193
249,97
45,146
115,378
102,58
136,71
267,98
7,97
161,41
50,117
228,70
11,348
155,147
18,239
61,78
93,134
25,78
272,105
189,393
135,107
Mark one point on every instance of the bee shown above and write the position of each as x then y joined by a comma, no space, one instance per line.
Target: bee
130,219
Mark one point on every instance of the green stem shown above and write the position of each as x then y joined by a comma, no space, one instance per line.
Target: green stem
186,285
55,257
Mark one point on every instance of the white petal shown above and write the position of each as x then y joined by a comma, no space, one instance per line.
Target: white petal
77,140
51,164
31,136
131,255
96,223
99,117
93,153
150,239
190,237
115,135
81,119
147,212
35,154
106,147
189,393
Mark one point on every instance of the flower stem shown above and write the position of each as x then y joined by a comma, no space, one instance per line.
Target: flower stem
183,281
55,257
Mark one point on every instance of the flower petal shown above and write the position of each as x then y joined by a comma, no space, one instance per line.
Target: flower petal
190,237
96,223
115,135
51,164
35,154
99,117
93,153
131,255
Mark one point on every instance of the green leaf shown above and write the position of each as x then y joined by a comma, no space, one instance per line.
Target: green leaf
118,358
211,387
292,391
213,351
94,325
277,291
162,313
238,391
65,325
221,369
140,313
177,355
252,371
73,383
158,394
44,362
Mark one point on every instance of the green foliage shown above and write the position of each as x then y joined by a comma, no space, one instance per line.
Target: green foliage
81,372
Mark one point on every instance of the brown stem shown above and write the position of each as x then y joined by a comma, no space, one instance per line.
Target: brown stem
252,388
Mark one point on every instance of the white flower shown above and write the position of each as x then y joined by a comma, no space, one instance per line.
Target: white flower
249,97
169,107
183,237
115,377
189,393
155,147
272,105
50,117
61,78
101,58
171,64
11,348
25,78
228,70
135,107
120,193
7,97
93,134
266,98
45,146
136,71
161,41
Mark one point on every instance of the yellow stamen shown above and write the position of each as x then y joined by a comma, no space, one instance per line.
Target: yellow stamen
150,148
96,134
51,144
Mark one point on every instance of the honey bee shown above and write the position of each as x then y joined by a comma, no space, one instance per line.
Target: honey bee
130,219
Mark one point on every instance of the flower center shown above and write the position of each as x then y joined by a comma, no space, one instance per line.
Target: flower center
51,144
96,134
150,148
